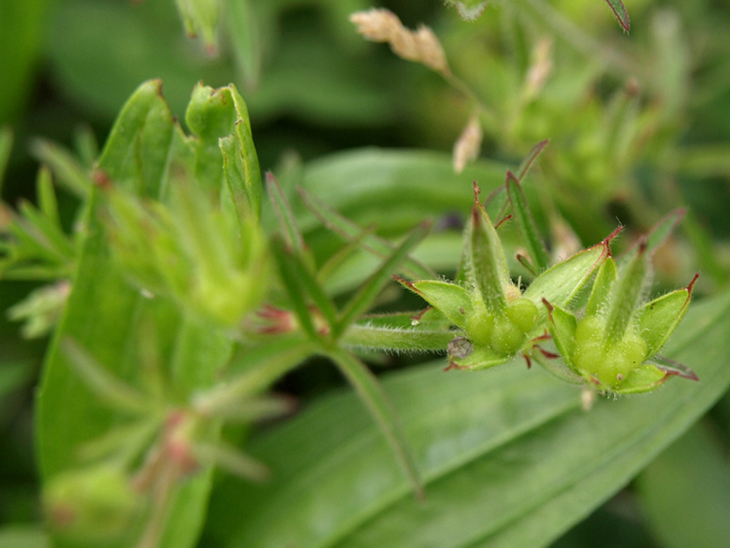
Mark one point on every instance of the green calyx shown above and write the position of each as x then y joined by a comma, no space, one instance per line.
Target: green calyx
610,363
614,346
497,319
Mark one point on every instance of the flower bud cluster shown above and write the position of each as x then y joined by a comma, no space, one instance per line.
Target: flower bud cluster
612,347
191,252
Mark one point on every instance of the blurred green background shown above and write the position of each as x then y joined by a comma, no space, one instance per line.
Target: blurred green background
639,124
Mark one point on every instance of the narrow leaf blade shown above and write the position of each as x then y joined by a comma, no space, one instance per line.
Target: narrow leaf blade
375,399
526,222
619,10
362,300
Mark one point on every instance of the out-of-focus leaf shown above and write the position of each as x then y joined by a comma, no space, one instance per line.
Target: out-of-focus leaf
685,493
105,313
395,188
6,145
243,31
656,236
21,34
509,459
12,376
200,17
143,41
67,170
23,537
346,228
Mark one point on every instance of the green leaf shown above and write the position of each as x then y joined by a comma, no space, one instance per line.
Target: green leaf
560,283
135,154
689,483
659,318
47,197
562,326
619,10
48,231
488,265
68,171
243,24
530,234
103,384
219,117
395,188
105,315
526,164
314,290
450,299
22,36
509,459
200,17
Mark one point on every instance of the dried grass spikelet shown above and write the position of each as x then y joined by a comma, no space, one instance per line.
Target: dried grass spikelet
421,46
468,144
540,69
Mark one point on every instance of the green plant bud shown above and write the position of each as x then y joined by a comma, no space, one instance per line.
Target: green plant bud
507,338
479,327
523,313
91,504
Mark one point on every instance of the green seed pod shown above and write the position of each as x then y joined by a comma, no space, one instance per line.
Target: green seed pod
91,505
507,338
480,326
523,313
